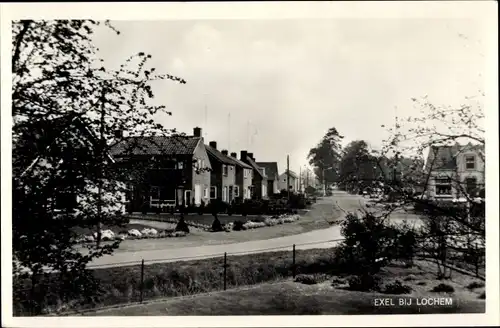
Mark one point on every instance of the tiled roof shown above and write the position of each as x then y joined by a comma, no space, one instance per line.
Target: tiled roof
444,157
292,174
255,166
214,153
156,145
239,163
271,169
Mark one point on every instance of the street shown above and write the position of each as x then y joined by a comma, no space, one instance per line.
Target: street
322,238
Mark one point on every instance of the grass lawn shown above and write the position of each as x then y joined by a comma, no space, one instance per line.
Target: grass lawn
121,285
291,298
315,218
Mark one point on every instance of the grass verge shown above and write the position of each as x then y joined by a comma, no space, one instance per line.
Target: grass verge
289,298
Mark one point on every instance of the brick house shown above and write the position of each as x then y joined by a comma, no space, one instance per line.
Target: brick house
223,175
455,171
271,171
171,171
244,176
259,179
293,181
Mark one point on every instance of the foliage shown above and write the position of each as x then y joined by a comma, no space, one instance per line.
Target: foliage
368,245
239,225
310,279
443,288
66,109
364,283
475,285
397,288
217,225
325,156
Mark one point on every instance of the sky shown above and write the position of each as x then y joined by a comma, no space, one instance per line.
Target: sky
274,87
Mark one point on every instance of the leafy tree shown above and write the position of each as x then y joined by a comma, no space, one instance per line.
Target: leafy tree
358,167
325,157
449,229
67,108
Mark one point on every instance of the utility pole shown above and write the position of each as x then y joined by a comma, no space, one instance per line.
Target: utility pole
300,178
288,175
307,178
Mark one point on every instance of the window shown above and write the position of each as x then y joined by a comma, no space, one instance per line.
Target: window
224,170
236,191
224,194
470,186
443,186
202,163
213,192
205,193
180,165
245,173
470,162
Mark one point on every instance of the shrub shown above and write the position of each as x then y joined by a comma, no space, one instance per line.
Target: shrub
364,283
421,283
475,284
238,225
253,225
443,288
338,281
309,279
397,288
216,225
182,225
410,277
368,244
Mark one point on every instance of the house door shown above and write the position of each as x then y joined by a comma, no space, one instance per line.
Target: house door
187,199
197,194
230,195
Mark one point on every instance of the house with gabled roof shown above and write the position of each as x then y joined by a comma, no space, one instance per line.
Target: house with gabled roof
259,178
223,175
271,171
176,170
291,178
455,171
244,176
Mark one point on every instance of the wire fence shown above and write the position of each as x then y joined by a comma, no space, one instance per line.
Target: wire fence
147,279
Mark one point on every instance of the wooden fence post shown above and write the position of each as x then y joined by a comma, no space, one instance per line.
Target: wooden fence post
293,263
225,269
142,280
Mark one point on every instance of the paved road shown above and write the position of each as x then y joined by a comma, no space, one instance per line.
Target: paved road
323,238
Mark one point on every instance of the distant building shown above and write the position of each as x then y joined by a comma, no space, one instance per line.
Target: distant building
293,181
455,171
259,178
271,171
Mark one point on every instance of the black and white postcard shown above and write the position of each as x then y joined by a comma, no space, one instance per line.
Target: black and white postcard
249,164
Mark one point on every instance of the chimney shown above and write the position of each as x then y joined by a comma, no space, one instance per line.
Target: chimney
197,132
234,155
224,152
213,144
243,155
250,155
